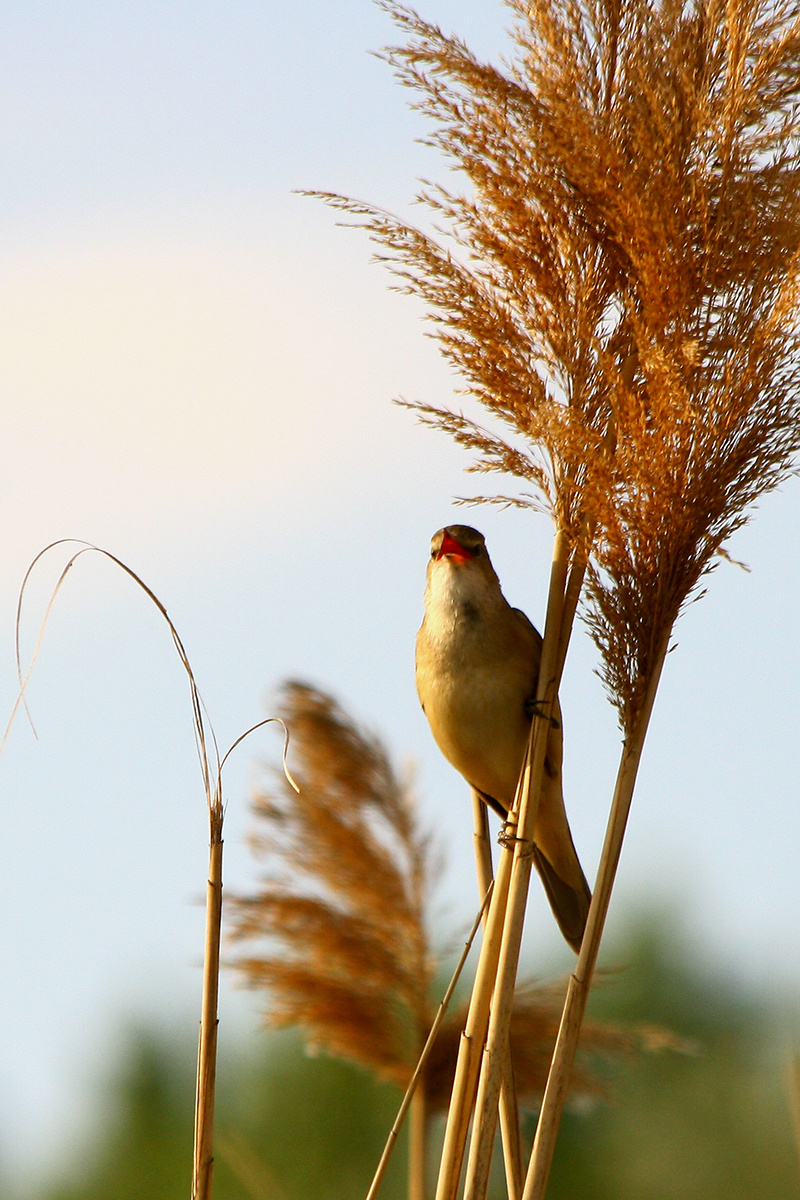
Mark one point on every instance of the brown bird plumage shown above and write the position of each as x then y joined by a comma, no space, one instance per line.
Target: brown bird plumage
477,665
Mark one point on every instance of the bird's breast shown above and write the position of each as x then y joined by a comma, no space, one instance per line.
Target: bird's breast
473,690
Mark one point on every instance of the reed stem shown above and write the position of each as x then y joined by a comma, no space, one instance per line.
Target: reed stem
417,1143
580,981
504,982
207,1049
509,1103
472,1040
423,1058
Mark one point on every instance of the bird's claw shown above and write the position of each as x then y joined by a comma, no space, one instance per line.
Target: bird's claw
507,838
533,708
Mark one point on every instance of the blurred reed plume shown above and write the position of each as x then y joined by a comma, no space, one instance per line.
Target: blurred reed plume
342,901
616,284
336,934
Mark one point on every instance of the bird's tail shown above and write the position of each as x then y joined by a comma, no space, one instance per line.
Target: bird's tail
557,861
569,901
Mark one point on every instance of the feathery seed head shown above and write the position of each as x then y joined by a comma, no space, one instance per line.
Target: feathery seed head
618,282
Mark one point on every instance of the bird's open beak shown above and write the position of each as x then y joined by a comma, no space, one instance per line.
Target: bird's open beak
450,548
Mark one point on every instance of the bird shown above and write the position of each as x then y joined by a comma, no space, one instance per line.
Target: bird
477,668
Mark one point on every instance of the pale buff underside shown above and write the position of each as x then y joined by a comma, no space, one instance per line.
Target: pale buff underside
474,675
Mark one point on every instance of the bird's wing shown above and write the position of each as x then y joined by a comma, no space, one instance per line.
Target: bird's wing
529,626
531,648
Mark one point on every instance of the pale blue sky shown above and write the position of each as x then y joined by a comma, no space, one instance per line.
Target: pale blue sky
196,369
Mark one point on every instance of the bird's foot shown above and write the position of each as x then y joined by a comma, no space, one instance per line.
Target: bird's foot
533,708
507,837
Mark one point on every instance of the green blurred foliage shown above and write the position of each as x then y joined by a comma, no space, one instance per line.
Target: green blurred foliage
710,1124
143,1146
287,1126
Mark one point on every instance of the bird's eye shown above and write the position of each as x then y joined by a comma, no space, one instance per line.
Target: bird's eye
433,552
476,550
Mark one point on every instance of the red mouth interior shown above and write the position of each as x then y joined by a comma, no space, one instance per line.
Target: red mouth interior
453,548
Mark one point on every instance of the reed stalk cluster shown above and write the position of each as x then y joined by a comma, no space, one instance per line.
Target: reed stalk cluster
335,936
615,282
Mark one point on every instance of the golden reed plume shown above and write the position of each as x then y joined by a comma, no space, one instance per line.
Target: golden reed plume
617,284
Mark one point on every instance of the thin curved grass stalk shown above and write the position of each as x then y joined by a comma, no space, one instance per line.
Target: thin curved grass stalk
503,984
423,1058
581,979
201,724
205,739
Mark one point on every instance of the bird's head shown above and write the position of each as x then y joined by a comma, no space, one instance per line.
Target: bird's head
460,567
458,544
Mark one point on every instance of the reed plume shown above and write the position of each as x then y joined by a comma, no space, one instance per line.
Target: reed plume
342,901
622,271
617,286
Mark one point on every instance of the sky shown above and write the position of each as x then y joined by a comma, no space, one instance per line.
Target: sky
197,368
